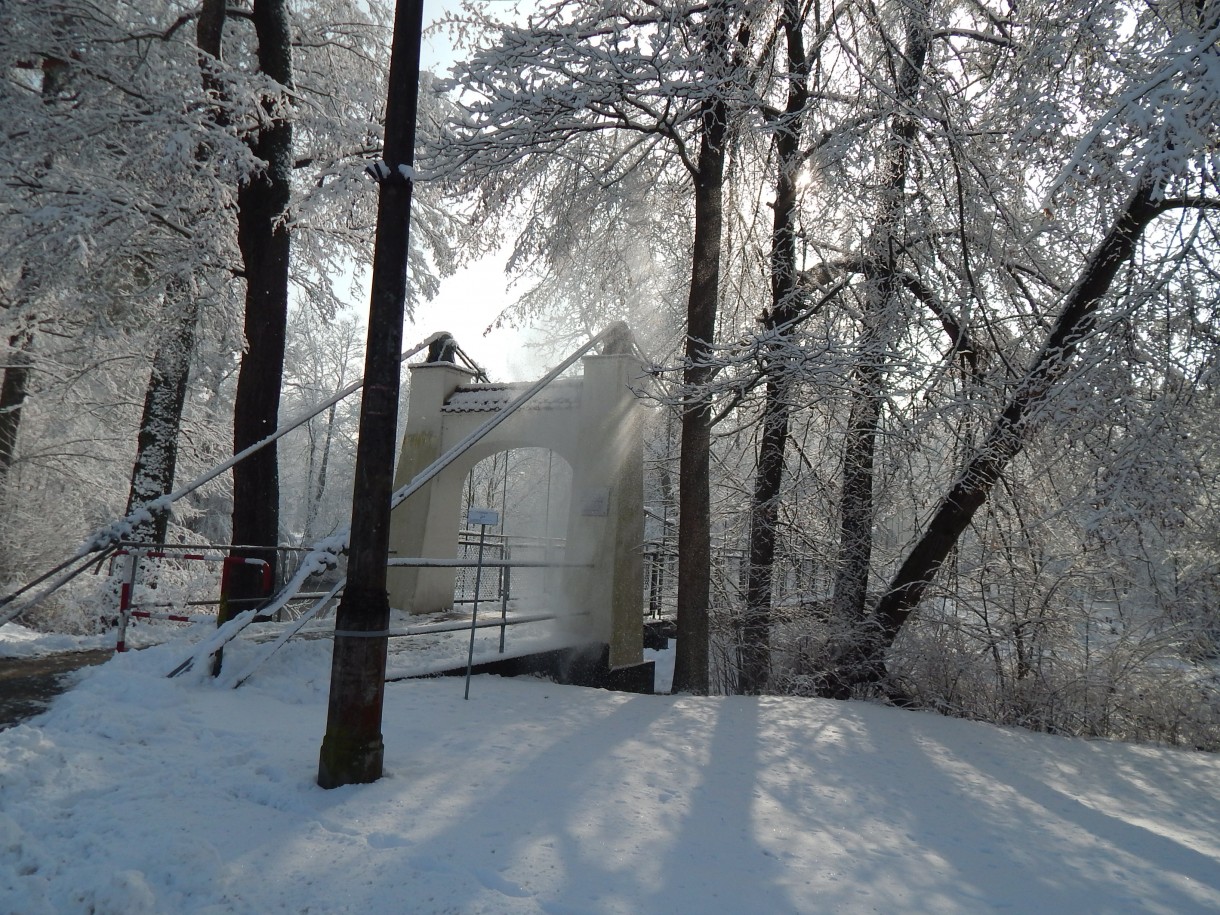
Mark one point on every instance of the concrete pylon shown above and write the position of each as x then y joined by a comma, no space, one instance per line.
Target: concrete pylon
426,524
606,514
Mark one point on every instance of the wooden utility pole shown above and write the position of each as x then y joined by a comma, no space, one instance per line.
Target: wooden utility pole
352,750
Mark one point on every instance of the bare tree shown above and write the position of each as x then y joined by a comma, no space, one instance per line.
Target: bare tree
263,235
157,441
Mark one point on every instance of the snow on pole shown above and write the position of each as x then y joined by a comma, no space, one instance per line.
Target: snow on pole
82,563
287,634
122,527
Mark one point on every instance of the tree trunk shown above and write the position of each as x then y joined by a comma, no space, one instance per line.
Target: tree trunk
856,509
15,386
691,668
754,628
319,488
157,446
13,392
856,505
262,235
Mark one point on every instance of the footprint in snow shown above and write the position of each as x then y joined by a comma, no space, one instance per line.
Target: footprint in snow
387,840
494,881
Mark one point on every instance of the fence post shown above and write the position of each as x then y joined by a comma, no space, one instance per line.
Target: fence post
505,583
126,595
482,517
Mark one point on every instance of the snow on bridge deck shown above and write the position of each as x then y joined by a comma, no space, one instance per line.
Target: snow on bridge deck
432,643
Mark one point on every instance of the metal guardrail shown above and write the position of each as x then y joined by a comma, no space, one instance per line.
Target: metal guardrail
426,563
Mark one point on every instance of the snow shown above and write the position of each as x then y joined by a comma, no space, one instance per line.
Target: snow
139,794
17,641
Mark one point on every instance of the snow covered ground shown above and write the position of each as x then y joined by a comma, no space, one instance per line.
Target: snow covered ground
16,641
137,794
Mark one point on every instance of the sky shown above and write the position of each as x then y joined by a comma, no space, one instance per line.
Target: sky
470,300
139,795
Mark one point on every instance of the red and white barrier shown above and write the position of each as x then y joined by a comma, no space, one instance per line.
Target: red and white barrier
127,609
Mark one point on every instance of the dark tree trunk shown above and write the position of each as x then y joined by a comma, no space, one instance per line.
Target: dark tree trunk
856,505
15,387
13,392
263,237
209,31
157,446
691,668
856,509
754,628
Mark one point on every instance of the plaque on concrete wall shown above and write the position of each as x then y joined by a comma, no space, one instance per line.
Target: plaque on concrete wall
595,502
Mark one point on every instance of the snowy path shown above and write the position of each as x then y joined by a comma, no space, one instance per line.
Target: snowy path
27,685
136,794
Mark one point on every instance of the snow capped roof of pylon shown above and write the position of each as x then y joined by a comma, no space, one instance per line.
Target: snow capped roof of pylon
561,394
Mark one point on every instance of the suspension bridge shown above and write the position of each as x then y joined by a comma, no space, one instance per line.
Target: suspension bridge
566,600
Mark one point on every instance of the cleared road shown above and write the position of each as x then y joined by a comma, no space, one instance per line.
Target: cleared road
27,685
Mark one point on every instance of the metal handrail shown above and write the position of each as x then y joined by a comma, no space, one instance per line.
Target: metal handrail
466,626
124,544
425,563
